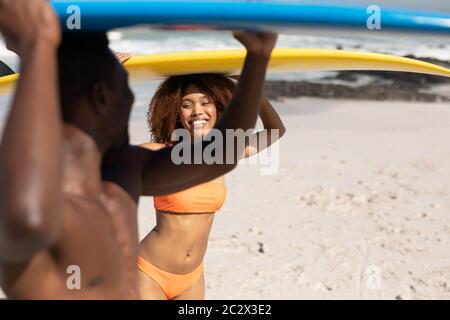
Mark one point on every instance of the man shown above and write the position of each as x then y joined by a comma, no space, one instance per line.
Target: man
69,189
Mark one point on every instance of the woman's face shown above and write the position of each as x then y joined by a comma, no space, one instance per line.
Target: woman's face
198,114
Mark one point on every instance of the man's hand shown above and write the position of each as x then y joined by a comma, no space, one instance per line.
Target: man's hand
24,23
260,44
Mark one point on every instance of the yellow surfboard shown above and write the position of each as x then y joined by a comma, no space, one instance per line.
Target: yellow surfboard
230,62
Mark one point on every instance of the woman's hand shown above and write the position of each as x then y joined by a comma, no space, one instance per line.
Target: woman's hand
25,23
260,44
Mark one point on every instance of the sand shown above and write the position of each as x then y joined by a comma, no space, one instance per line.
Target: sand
360,207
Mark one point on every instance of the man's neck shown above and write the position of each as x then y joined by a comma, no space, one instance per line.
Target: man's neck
82,161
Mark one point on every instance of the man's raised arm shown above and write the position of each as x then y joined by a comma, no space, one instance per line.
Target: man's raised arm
31,203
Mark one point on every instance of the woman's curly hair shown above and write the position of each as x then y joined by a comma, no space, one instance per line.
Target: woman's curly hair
163,113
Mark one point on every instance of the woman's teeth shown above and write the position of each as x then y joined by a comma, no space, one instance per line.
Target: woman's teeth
198,124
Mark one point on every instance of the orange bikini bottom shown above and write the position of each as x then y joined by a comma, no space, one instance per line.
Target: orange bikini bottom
171,284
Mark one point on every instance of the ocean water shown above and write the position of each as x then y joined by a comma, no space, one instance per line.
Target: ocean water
152,41
146,41
142,41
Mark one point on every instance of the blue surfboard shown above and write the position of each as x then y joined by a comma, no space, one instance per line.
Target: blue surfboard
92,15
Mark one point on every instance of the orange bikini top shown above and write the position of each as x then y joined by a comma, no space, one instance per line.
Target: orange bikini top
206,197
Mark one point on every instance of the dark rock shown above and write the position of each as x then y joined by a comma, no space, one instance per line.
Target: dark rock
382,86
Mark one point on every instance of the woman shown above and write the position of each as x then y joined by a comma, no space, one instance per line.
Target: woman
171,255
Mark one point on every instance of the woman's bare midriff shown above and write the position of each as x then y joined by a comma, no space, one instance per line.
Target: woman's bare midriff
178,242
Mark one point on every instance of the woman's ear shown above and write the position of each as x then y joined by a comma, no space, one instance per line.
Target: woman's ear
100,97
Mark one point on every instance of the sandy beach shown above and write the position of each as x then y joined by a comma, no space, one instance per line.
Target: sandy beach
358,210
362,187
